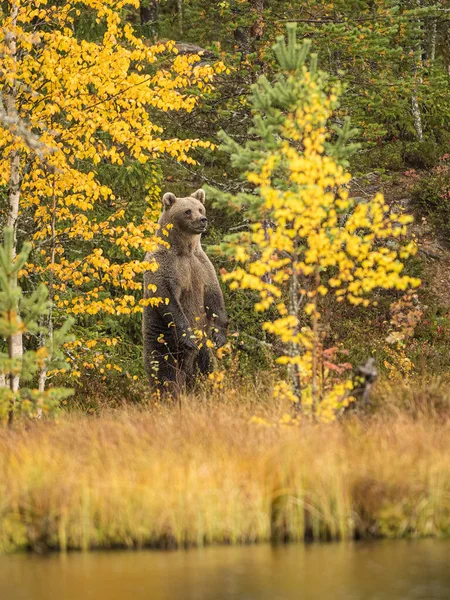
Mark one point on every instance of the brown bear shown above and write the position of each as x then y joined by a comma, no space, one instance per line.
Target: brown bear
193,304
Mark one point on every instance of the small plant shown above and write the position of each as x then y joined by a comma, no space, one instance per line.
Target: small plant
20,317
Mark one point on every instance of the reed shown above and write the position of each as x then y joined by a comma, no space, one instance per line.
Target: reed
206,474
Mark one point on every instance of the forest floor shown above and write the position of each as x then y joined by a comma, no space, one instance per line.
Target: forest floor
228,468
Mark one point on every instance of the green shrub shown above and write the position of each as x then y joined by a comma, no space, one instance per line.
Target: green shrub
384,157
431,198
398,155
422,155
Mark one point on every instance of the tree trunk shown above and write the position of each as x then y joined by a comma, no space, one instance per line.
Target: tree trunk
15,345
315,345
149,14
433,37
13,380
47,340
258,26
246,37
293,350
43,371
448,48
180,17
416,114
418,65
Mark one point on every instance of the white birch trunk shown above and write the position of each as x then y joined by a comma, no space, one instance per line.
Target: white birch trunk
180,16
42,376
15,342
416,114
417,81
47,340
42,382
433,40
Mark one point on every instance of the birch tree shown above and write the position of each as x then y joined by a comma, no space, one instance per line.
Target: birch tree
93,104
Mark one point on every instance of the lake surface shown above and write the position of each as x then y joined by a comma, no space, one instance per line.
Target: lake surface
384,570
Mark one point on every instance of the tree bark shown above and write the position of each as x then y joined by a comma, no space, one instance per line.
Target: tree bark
258,26
433,37
416,114
47,340
315,345
294,307
15,342
180,16
246,37
418,65
149,14
448,48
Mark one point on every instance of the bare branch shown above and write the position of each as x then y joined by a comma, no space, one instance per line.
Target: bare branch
10,120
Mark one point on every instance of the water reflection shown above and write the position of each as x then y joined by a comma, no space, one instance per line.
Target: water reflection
361,571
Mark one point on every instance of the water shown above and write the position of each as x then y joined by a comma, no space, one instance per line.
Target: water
362,571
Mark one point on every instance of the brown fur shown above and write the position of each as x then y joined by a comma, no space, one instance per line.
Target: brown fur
187,279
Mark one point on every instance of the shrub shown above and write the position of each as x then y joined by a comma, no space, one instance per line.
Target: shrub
422,155
431,197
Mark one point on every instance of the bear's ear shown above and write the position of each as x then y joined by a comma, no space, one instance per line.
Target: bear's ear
199,195
168,200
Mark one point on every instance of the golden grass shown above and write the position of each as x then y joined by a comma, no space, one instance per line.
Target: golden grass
204,473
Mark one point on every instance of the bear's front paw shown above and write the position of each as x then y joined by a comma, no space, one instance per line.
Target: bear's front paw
219,338
188,341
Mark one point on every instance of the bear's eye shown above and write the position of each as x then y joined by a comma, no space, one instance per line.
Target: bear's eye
188,212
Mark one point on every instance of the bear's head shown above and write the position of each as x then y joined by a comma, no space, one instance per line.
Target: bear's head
187,215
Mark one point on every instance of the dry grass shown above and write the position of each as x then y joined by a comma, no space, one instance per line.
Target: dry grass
205,474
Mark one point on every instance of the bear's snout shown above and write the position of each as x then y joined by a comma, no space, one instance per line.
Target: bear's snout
203,220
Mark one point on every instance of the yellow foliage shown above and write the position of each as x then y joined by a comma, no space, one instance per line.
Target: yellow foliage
89,103
217,380
319,241
400,368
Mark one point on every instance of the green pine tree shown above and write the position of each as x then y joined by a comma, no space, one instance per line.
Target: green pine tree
271,101
309,240
21,314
